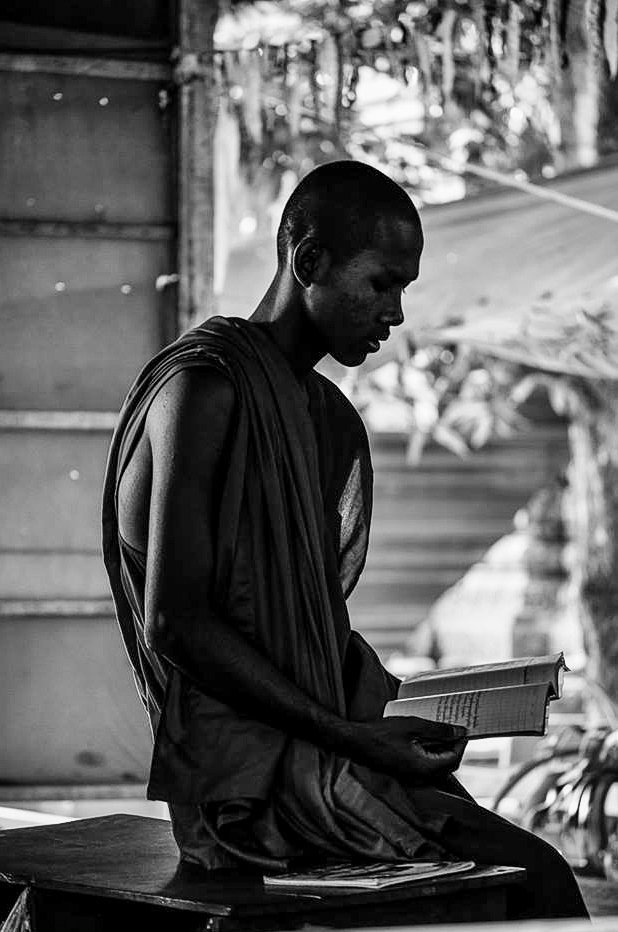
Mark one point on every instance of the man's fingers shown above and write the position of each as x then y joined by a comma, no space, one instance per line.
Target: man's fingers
433,762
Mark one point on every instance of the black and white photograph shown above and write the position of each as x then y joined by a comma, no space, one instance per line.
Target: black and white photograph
308,465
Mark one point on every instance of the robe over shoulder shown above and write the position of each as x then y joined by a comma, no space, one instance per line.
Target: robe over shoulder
291,540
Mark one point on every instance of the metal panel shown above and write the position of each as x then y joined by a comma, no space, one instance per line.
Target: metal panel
124,17
43,574
56,608
87,229
73,712
58,420
51,491
86,67
29,38
83,148
87,204
78,318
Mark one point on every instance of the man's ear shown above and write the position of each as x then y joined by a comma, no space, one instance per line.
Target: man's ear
310,261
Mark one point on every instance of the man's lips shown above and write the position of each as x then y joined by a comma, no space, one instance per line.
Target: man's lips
374,342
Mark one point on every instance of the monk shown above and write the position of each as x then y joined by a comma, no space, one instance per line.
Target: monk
236,517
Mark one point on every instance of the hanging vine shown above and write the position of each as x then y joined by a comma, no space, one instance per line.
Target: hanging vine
474,59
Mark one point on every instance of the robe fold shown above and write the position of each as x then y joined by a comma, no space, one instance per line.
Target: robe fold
291,536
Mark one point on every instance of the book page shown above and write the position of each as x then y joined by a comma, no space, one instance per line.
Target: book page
509,710
548,669
372,875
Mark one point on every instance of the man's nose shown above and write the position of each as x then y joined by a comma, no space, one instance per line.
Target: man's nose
394,317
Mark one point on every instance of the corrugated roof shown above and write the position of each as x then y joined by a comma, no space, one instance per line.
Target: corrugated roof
508,250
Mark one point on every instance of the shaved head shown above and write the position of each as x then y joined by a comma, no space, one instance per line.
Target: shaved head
343,204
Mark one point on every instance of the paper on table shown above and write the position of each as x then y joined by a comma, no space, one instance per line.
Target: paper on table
373,875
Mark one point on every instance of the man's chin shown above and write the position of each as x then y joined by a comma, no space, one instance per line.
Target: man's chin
351,359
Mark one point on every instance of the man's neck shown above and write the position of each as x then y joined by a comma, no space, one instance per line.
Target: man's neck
280,314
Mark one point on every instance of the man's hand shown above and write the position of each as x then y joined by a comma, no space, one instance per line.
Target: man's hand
414,750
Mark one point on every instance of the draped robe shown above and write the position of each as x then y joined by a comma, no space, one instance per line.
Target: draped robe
291,537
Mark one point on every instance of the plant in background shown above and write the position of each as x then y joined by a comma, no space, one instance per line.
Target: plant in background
520,84
469,383
446,394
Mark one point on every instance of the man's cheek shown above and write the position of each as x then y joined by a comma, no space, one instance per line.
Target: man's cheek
354,310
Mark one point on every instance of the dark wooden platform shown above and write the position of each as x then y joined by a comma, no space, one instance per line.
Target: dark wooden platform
123,871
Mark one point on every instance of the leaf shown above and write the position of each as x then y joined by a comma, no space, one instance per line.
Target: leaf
504,428
484,65
451,440
416,384
514,40
610,36
481,433
424,59
445,31
467,413
522,391
555,11
416,445
559,396
252,97
425,414
386,377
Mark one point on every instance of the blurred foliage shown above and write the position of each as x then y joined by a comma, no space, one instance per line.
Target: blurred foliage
492,76
471,384
445,394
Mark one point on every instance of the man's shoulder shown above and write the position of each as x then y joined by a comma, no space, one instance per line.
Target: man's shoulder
192,397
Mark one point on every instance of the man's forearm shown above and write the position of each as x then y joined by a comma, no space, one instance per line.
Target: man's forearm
227,666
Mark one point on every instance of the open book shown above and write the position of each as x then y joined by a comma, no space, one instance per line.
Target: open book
374,875
510,698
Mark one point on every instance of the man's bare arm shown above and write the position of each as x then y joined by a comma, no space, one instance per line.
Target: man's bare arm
188,429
